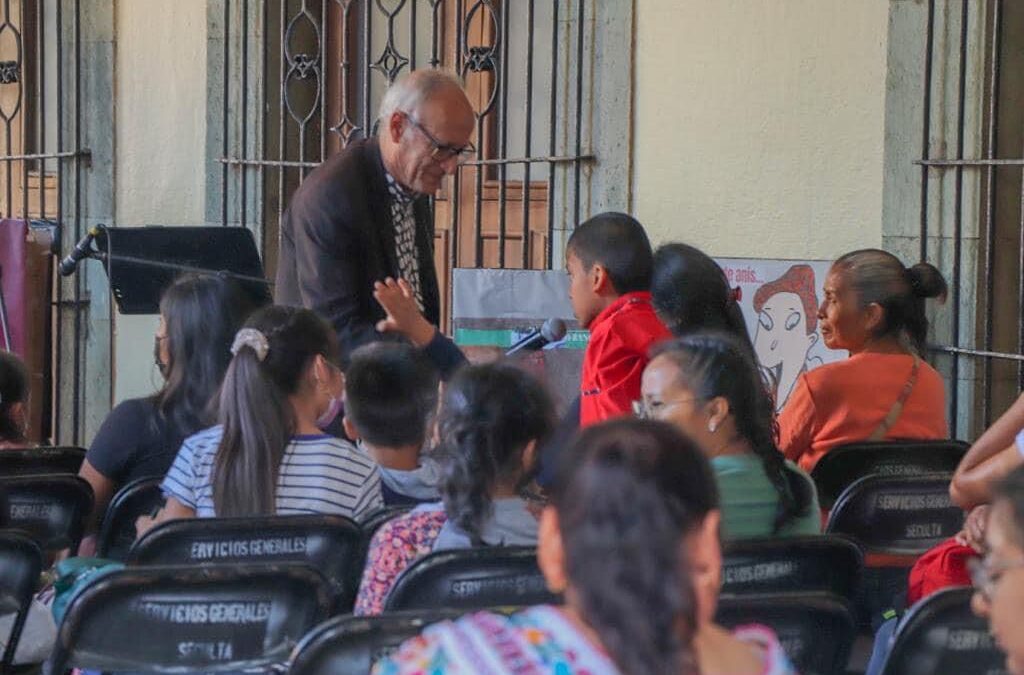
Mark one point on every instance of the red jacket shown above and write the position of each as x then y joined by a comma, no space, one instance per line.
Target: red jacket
620,338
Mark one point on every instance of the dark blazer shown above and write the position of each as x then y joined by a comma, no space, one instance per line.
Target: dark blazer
337,239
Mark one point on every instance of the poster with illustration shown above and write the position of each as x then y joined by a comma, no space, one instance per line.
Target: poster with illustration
780,299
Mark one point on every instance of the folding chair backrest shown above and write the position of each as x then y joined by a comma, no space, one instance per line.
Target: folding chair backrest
817,630
898,515
117,532
353,644
804,564
843,465
190,619
941,634
51,508
39,461
21,561
330,544
475,578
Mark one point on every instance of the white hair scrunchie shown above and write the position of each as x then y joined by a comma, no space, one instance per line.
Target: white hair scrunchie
254,340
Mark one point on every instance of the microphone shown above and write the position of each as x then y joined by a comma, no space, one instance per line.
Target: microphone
553,330
80,252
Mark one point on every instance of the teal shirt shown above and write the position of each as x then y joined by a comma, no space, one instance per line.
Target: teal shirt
749,500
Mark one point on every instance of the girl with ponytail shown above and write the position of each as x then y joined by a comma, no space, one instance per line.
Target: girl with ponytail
630,540
709,387
492,419
268,456
874,308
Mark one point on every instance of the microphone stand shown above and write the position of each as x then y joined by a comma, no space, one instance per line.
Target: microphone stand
107,258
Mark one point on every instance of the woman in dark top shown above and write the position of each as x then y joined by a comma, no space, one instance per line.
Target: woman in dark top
199,316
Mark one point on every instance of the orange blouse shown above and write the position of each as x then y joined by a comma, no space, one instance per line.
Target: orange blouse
846,401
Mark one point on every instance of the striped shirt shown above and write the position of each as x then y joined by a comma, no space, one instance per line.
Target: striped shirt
318,474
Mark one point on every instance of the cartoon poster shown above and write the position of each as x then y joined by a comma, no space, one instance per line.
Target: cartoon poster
780,300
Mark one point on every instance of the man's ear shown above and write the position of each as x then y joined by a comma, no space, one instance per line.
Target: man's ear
350,429
396,126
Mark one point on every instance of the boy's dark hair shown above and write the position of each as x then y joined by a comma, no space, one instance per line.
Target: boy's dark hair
618,243
390,393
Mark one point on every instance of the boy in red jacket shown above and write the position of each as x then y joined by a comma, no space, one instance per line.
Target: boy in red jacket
609,261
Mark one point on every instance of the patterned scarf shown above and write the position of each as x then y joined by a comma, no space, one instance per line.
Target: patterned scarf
404,218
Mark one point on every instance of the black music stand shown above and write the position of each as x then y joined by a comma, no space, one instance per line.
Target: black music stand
142,261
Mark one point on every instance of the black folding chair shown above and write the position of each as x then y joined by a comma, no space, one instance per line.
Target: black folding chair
52,508
897,515
353,644
372,522
816,630
117,533
940,634
475,578
21,561
843,465
830,564
39,461
894,519
331,545
191,619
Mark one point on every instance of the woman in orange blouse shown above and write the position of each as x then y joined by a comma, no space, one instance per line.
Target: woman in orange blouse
873,308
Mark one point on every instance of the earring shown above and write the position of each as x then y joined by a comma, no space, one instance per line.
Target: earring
712,427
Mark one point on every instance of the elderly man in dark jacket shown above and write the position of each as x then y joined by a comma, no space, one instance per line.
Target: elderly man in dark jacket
364,215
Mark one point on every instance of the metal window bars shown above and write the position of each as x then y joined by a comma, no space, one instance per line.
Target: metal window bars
302,79
41,163
994,345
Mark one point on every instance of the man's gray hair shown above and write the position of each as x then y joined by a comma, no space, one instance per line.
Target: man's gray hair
411,90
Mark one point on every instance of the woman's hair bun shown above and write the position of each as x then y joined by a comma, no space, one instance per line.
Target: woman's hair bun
927,281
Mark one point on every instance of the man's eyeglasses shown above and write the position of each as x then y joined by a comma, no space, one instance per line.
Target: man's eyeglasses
985,574
442,152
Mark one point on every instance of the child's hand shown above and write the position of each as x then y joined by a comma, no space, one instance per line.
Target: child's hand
144,524
404,314
973,534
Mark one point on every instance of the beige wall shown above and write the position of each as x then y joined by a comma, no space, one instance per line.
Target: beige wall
160,128
759,124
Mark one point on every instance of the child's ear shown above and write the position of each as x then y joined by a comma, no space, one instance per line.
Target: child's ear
350,429
530,456
600,282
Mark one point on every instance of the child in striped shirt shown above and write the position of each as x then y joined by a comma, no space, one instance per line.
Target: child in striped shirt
267,456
